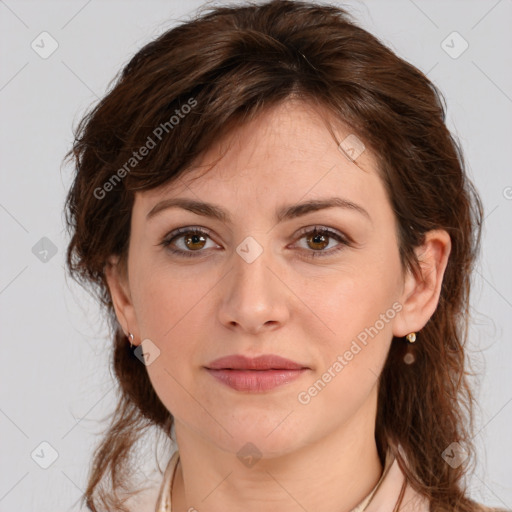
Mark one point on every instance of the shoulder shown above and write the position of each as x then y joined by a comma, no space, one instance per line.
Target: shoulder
395,489
154,493
144,500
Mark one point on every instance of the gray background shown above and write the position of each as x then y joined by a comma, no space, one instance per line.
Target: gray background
55,380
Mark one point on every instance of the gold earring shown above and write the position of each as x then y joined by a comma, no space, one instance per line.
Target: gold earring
411,337
131,339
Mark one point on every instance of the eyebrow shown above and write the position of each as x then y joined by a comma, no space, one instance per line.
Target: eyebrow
284,213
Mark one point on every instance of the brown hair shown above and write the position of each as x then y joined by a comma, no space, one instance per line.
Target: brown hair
228,65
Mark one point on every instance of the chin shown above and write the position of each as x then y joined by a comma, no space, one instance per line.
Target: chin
267,438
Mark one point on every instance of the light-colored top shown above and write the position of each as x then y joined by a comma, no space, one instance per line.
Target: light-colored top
391,489
164,497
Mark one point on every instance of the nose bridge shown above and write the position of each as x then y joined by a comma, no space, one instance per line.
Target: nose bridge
250,265
253,298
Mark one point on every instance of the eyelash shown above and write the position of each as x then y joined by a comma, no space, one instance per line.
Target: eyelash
199,231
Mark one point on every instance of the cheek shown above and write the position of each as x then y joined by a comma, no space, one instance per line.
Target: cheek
167,299
347,302
351,362
170,312
172,372
354,309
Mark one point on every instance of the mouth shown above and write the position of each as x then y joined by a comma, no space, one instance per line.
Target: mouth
257,374
255,380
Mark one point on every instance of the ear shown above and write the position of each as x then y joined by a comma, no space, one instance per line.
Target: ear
117,280
420,295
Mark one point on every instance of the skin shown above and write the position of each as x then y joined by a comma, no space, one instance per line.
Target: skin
285,302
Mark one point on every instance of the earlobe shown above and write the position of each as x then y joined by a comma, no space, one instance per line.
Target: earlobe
420,295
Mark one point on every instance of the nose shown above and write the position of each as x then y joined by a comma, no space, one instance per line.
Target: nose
254,296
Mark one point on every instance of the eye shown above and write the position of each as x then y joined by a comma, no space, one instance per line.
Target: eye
318,238
194,239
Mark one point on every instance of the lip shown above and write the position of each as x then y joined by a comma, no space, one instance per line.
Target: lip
255,380
263,362
255,374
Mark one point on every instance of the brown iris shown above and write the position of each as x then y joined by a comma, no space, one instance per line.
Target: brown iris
318,238
193,238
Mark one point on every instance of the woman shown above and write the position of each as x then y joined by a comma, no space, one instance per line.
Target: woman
279,225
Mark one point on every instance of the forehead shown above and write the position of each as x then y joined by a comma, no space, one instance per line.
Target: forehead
285,150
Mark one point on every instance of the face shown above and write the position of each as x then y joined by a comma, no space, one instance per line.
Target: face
254,284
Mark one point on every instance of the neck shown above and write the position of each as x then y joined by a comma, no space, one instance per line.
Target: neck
332,474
